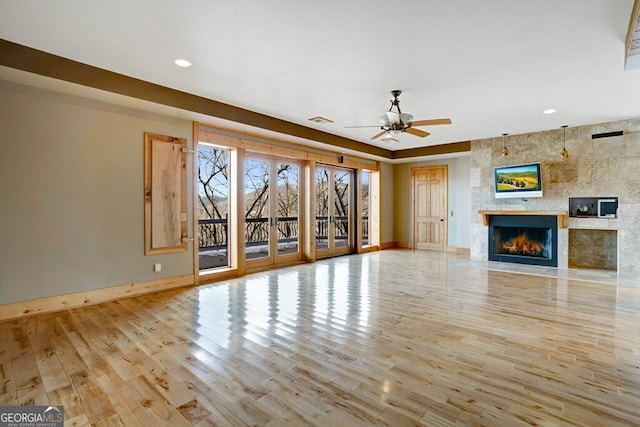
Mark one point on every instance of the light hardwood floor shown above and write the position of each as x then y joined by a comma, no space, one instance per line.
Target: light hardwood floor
395,338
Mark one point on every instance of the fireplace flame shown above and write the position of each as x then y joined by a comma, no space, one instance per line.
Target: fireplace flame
521,245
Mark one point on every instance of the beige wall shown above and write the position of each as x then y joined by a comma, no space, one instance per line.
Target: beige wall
386,203
457,199
595,168
71,186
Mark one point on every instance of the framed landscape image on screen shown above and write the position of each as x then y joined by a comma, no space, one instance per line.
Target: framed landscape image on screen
520,181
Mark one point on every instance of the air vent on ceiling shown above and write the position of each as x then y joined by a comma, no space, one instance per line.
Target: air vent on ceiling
607,134
320,119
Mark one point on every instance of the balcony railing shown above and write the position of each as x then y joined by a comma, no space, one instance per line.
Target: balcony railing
257,230
213,234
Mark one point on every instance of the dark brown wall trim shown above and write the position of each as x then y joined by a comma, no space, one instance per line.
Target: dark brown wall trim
456,147
35,61
38,62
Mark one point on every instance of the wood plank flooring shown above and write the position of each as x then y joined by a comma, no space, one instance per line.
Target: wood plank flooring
394,338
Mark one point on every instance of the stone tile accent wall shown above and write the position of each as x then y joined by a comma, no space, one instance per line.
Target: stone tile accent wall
593,248
595,168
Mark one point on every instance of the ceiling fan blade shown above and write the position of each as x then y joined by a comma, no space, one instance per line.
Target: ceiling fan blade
377,135
417,132
431,122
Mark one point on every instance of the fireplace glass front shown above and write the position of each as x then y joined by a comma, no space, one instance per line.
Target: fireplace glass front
523,240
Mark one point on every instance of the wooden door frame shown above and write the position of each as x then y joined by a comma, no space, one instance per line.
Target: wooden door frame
445,228
275,259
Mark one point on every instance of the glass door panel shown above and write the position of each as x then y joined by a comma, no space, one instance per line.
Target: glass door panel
257,209
322,208
333,211
287,219
341,217
213,207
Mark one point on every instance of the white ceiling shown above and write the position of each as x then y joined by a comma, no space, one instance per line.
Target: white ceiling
492,66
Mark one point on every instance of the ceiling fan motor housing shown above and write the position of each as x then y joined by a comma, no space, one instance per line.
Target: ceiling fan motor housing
395,127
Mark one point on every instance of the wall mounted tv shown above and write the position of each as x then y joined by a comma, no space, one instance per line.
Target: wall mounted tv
518,181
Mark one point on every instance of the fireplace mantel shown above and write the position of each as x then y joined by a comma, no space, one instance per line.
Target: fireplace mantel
562,215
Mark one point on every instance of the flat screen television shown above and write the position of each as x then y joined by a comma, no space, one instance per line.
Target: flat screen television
518,181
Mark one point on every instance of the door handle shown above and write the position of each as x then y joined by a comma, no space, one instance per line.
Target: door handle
441,219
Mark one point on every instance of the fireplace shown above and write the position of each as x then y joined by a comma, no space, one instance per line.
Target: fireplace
524,239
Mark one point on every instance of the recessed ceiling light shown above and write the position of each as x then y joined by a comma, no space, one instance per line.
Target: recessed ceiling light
182,63
549,111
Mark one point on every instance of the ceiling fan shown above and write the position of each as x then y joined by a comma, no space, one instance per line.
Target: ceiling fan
396,122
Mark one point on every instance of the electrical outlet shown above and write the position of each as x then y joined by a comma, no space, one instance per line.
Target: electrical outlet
157,267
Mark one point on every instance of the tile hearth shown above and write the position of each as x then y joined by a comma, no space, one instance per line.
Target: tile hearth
575,273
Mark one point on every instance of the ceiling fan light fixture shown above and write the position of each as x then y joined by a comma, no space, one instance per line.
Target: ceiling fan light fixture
391,117
390,136
406,118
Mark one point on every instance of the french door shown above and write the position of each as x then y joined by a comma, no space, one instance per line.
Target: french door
333,211
272,220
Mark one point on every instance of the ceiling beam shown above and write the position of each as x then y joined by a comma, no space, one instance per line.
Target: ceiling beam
35,61
433,150
632,45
